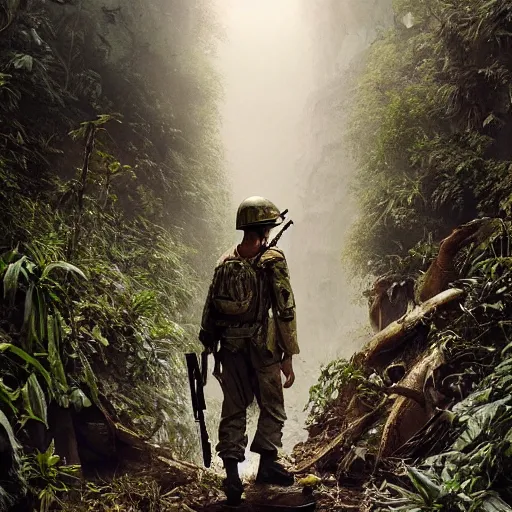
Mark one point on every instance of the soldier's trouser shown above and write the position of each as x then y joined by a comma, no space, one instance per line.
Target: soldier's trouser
248,373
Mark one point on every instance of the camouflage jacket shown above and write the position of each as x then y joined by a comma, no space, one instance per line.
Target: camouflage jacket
279,330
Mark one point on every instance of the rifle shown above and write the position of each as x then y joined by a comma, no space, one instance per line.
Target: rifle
276,239
197,380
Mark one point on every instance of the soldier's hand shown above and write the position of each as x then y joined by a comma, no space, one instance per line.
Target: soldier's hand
287,369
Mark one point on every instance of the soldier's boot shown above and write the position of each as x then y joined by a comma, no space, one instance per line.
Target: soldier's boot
270,471
232,485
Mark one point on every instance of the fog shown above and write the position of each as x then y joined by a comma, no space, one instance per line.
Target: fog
267,71
277,63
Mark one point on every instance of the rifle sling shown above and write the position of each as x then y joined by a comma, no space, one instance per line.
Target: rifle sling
273,242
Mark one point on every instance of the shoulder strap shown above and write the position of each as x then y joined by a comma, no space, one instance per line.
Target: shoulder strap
228,255
272,255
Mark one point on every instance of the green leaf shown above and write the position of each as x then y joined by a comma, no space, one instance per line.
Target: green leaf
34,400
28,359
62,265
96,332
4,422
23,61
479,420
428,489
9,256
9,396
506,349
11,278
489,119
40,313
79,399
28,319
29,304
90,379
494,503
54,356
53,460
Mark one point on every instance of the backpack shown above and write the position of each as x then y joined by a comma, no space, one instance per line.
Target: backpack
237,293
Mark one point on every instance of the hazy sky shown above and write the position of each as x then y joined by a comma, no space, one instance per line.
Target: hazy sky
267,76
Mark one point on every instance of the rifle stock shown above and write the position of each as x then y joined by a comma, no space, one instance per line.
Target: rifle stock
196,382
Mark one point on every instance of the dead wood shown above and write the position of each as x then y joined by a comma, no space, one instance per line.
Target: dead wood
351,432
395,333
408,416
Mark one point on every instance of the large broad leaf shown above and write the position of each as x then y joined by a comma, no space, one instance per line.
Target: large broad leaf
34,400
495,504
4,423
8,396
54,358
479,420
64,266
28,359
428,489
11,278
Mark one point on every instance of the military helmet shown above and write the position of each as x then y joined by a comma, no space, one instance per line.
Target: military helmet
257,211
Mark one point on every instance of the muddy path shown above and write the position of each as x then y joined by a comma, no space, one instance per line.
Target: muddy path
259,498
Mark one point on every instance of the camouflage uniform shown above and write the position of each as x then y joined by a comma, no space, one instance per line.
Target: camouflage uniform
250,357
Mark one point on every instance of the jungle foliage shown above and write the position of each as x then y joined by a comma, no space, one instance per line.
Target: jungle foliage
430,127
430,130
108,149
464,464
333,377
460,458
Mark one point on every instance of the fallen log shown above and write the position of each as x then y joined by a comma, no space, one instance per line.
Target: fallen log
157,461
442,270
395,333
408,416
346,436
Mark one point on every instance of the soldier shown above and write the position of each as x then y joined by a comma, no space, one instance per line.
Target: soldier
250,310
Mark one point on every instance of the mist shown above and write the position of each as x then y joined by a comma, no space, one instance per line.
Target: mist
279,66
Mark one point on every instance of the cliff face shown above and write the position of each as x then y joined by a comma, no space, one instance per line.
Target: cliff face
115,27
150,62
340,33
344,29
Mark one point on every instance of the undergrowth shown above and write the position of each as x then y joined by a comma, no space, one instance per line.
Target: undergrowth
110,185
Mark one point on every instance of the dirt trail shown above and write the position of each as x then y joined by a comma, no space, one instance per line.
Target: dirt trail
260,498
